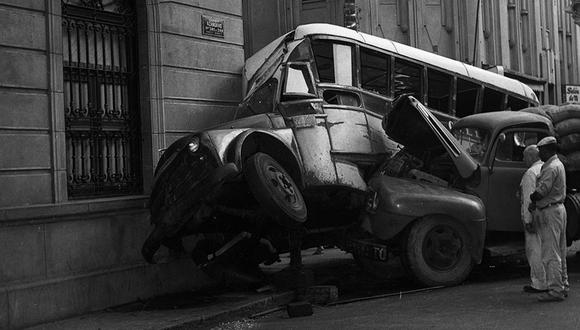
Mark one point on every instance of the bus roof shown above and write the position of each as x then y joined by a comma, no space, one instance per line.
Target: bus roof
432,59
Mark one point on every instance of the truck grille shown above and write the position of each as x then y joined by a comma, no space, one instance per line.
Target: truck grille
182,176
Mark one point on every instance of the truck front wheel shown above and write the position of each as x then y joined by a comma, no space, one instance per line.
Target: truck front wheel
435,252
275,190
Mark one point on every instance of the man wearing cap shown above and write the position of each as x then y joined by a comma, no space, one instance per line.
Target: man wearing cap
532,238
548,199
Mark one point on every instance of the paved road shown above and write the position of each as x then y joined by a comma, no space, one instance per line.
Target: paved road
492,298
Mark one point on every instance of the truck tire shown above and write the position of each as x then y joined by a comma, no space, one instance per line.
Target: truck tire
571,161
568,126
570,143
537,111
275,190
435,252
564,112
572,205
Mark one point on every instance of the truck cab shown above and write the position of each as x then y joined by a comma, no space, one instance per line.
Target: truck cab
497,141
449,197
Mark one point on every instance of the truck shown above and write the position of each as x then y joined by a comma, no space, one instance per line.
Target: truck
449,197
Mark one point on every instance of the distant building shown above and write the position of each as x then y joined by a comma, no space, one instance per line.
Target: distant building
533,41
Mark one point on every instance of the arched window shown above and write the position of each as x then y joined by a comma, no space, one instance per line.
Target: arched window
101,98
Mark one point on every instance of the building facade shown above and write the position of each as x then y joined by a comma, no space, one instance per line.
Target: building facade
92,92
530,40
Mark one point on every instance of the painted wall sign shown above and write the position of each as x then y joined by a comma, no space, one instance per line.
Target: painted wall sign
572,94
211,26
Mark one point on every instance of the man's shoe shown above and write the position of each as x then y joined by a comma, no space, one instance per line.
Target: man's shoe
531,289
551,296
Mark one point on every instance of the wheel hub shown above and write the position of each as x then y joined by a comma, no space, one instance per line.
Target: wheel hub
442,248
282,184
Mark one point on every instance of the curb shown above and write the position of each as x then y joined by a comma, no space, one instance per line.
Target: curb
282,298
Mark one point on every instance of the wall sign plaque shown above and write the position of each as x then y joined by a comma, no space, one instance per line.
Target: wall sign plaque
211,26
572,94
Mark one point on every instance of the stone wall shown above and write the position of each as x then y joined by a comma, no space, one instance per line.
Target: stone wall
60,257
201,74
81,257
24,107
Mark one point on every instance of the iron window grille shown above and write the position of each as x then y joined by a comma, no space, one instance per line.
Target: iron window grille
101,98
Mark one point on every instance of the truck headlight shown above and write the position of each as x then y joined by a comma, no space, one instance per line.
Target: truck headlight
194,144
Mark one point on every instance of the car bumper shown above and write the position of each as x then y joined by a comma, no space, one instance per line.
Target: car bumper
367,247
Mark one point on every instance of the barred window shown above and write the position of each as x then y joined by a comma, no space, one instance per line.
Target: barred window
100,90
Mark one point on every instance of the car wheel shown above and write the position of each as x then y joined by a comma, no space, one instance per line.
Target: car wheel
435,252
275,190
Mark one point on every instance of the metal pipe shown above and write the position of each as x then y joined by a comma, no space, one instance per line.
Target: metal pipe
348,301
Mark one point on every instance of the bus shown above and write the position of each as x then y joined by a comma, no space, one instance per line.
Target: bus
378,70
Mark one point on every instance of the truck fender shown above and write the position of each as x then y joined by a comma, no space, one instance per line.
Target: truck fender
280,146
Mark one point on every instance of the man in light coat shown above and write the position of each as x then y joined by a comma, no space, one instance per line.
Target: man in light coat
533,244
548,199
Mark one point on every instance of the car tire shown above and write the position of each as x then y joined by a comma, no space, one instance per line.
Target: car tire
275,190
435,252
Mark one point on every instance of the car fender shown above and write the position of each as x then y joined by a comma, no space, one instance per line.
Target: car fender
402,201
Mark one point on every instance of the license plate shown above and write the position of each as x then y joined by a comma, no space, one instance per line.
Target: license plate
367,249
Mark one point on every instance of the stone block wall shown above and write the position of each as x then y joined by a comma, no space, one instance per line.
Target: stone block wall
24,106
60,257
201,74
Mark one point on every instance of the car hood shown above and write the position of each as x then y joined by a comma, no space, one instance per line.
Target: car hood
411,124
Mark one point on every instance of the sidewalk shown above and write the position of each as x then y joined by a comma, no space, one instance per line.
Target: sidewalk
173,311
190,308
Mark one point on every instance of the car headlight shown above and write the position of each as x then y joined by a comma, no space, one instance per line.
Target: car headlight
194,144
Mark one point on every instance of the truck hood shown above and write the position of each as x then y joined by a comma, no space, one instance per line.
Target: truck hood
411,124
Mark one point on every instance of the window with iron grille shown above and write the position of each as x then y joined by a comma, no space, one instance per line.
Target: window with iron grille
101,101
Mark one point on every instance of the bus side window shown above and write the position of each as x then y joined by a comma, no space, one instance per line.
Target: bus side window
516,104
374,71
492,100
408,78
439,89
333,62
466,100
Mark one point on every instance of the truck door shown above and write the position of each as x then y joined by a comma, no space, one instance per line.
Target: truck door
346,121
302,111
507,167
